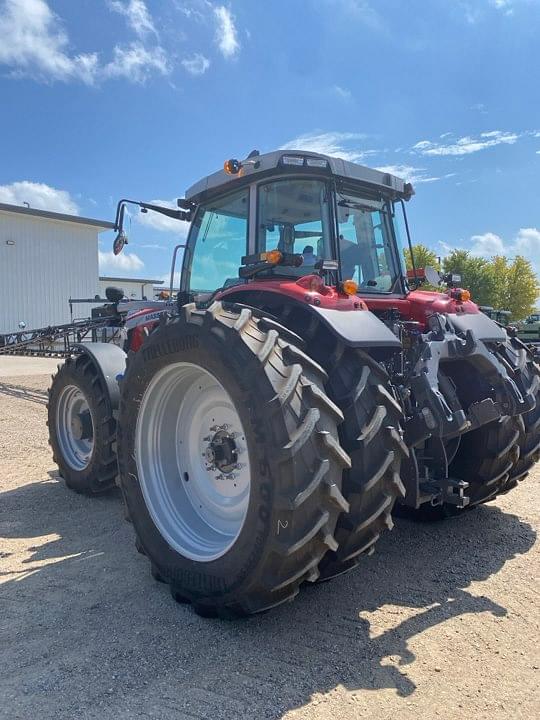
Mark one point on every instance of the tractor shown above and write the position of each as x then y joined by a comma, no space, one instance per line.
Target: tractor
264,425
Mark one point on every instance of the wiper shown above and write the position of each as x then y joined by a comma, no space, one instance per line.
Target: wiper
357,205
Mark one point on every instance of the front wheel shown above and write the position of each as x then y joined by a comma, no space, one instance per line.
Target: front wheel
230,462
82,427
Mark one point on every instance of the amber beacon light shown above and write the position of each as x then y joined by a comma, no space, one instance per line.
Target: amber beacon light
349,287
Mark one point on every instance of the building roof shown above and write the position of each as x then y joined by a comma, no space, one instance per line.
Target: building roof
140,281
104,224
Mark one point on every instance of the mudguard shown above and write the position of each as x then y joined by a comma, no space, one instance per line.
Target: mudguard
110,361
358,329
483,327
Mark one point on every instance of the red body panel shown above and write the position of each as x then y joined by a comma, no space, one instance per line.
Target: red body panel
139,335
308,289
417,305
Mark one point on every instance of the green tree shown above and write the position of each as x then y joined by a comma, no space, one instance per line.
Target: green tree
476,275
501,282
423,257
520,289
499,270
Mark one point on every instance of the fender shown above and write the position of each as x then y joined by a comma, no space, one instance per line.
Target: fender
110,361
358,329
344,317
483,328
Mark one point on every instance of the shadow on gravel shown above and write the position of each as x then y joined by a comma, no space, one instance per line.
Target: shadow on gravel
87,633
24,393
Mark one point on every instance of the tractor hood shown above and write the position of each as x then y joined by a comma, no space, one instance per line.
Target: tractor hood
420,304
424,303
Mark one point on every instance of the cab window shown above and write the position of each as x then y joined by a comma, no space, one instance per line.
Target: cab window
220,242
294,217
366,244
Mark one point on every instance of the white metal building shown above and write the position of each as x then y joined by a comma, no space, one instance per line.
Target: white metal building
45,258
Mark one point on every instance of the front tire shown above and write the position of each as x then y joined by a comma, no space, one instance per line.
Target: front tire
529,439
82,427
280,428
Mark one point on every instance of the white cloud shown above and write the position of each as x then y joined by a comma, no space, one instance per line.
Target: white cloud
129,262
467,145
409,173
136,63
360,10
197,64
526,242
156,221
487,245
505,5
342,92
39,196
226,34
330,143
34,44
137,15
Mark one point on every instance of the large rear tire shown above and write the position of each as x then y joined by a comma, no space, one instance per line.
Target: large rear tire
485,459
529,439
236,515
372,436
495,457
82,428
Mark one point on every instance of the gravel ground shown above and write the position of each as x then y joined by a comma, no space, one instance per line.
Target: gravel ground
441,622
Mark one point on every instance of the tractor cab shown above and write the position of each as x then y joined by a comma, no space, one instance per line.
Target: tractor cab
285,216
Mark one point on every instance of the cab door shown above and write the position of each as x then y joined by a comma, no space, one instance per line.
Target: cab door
216,244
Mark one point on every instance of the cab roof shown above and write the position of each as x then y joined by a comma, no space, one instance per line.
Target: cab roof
258,166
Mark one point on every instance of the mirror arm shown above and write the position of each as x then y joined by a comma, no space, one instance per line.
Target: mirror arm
409,242
169,212
119,218
173,265
185,215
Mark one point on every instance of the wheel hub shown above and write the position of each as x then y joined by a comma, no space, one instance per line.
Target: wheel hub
74,427
81,426
222,453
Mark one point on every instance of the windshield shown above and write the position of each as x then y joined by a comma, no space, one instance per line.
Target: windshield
218,242
366,243
294,217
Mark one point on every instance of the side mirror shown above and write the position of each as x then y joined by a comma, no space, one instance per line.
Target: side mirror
119,241
451,279
432,276
114,294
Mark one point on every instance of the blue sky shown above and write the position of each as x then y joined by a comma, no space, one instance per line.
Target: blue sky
103,99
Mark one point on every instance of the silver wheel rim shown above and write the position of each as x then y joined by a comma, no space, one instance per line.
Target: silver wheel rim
74,428
192,461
